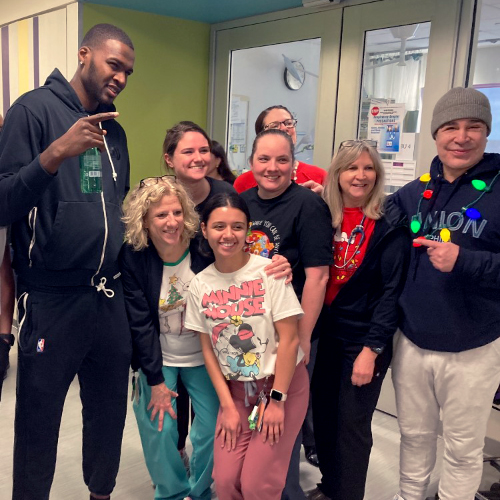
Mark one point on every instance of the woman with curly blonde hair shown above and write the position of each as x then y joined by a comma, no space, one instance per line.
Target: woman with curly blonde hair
158,263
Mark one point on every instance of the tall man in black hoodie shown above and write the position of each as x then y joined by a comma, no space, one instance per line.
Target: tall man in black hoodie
447,358
71,310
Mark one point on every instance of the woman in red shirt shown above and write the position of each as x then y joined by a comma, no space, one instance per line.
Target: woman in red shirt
370,248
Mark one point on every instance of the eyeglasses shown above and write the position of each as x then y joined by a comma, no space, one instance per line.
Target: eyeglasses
290,123
365,142
150,181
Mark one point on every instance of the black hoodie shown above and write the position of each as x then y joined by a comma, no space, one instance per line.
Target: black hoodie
460,310
60,236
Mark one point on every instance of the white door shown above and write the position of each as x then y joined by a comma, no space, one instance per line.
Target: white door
343,34
401,53
291,38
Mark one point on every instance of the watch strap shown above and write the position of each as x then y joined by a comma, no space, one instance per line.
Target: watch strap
376,350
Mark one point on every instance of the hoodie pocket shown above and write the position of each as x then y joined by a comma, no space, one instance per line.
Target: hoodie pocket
78,235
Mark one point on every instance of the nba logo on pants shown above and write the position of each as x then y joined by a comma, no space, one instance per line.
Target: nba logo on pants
40,345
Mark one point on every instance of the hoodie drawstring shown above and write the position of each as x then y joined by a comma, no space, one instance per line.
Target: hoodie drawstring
101,287
101,284
115,175
32,224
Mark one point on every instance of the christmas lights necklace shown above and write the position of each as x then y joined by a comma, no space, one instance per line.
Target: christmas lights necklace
468,210
359,229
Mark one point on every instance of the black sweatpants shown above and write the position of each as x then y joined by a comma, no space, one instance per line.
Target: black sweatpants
342,415
65,332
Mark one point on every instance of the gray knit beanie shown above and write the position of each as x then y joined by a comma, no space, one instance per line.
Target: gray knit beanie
460,103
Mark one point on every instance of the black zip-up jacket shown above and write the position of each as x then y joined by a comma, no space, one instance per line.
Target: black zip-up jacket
365,310
58,232
142,273
460,310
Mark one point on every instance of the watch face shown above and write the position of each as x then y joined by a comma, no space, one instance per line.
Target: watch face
295,79
276,395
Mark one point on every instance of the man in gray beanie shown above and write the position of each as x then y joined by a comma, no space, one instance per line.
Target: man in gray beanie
447,354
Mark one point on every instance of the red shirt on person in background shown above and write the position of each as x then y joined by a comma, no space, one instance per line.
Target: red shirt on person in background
303,174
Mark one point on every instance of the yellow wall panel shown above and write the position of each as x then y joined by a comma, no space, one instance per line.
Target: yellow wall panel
23,55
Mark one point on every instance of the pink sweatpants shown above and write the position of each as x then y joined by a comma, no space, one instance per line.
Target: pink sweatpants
257,470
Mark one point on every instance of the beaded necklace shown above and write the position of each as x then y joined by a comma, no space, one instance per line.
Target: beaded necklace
468,210
294,171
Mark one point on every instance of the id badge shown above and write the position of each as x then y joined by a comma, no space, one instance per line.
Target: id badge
262,408
257,413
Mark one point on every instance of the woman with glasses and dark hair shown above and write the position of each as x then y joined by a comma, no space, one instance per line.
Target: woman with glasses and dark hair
280,118
219,166
359,318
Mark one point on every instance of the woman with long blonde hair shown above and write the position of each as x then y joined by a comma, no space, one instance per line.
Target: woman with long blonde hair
359,318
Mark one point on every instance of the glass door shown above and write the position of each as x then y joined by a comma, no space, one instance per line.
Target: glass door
283,73
292,62
397,60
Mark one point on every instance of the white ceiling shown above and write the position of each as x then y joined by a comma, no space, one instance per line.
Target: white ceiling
381,41
489,28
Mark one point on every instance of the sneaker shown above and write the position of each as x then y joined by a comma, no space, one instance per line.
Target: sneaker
311,455
316,494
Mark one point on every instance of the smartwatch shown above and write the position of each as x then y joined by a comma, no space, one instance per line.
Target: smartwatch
376,350
277,395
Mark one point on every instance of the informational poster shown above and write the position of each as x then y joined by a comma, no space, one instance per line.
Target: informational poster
397,174
238,125
385,125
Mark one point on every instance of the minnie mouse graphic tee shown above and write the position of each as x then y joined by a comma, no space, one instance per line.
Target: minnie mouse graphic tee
238,311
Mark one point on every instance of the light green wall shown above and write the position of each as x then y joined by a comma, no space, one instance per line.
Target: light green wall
169,84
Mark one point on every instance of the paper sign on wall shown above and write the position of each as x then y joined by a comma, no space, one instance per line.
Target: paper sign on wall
406,147
397,174
385,125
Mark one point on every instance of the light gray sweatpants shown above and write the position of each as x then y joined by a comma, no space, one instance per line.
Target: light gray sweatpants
461,387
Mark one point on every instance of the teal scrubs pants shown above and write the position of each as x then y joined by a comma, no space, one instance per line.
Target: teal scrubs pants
163,460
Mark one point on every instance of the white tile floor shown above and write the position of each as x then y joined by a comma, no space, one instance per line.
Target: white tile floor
133,481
